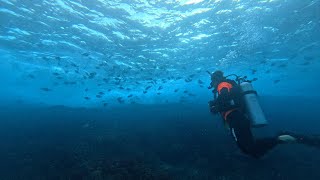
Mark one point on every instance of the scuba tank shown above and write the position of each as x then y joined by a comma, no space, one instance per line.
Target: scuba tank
252,106
250,101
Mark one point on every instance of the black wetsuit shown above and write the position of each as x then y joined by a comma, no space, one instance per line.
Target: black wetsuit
238,122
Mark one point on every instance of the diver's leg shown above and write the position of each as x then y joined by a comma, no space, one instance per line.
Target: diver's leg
309,140
241,131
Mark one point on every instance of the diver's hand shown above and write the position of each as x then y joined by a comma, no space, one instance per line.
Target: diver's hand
213,107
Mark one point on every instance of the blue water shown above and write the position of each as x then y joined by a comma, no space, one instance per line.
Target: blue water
118,89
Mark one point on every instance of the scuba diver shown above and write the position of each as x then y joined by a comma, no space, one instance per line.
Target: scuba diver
236,101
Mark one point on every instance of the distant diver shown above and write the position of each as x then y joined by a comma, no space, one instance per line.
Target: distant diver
237,103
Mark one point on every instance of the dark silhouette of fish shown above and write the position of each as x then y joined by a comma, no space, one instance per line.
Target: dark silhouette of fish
130,95
98,96
148,87
176,90
105,80
85,54
263,61
46,89
86,98
253,71
308,58
101,93
145,92
188,80
31,76
305,63
276,81
92,75
86,90
200,82
160,87
282,65
120,100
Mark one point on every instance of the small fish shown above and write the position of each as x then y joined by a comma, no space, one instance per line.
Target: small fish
190,94
86,98
293,56
105,80
305,63
273,64
186,91
188,80
148,87
128,89
99,84
92,75
282,66
145,92
263,61
121,87
176,90
253,71
85,54
120,100
31,76
160,87
268,71
101,93
276,81
98,96
86,90
74,65
200,82
130,95
109,90
158,93
105,104
58,58
308,58
56,74
46,89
